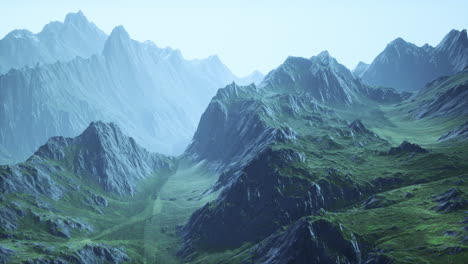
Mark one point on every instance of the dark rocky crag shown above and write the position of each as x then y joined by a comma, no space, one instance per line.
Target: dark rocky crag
152,93
318,241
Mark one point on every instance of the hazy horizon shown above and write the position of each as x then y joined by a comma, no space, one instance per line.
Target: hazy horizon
256,36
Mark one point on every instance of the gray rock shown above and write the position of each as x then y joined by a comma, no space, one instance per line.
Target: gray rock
98,254
8,219
377,201
32,177
449,201
5,254
451,233
64,226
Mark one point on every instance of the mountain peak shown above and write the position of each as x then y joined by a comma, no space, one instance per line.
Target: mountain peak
106,155
214,58
118,39
454,36
398,42
325,58
119,31
100,128
20,33
324,54
76,18
455,46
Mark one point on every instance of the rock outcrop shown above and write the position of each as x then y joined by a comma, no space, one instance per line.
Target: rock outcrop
407,147
152,93
259,200
449,201
318,241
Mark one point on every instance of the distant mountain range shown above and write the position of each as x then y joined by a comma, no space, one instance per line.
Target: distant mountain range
57,41
407,67
152,93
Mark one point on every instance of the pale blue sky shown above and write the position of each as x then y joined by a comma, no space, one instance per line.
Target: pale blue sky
256,34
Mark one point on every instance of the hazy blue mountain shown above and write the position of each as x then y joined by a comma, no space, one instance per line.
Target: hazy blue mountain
76,36
304,167
360,68
407,67
153,93
255,77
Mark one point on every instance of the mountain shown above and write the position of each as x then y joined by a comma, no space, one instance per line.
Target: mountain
255,77
360,68
153,93
71,188
102,155
308,151
444,97
407,67
320,76
57,41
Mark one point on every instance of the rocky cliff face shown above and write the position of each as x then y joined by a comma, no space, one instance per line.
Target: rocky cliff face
154,94
444,97
317,242
407,67
458,133
261,200
76,36
240,132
